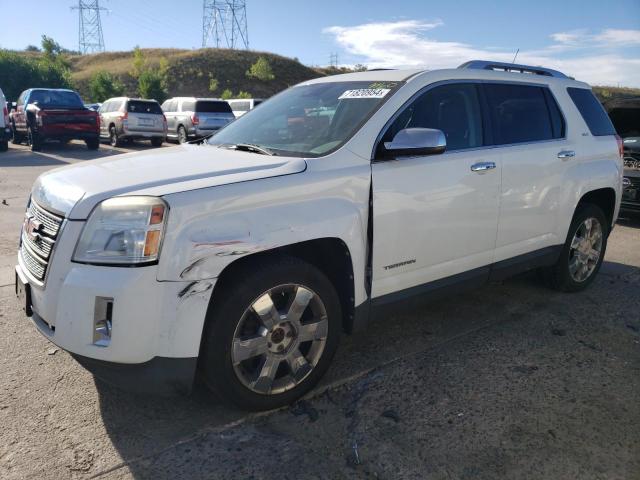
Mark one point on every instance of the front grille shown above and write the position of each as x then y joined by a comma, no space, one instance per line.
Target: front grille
39,234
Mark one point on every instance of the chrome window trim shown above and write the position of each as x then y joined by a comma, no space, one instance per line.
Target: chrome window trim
431,86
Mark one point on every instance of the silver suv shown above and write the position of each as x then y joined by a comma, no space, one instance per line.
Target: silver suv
126,118
194,118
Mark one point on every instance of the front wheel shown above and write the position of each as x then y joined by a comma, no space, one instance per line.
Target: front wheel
271,334
583,252
17,138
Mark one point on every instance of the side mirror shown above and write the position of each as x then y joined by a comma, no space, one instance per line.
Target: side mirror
416,142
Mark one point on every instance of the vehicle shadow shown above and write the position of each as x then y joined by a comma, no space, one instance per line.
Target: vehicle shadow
142,427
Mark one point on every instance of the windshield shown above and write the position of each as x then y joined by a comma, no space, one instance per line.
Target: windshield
308,120
56,98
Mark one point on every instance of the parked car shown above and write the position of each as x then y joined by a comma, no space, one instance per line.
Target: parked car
43,114
126,118
342,198
190,118
5,129
625,115
93,106
240,106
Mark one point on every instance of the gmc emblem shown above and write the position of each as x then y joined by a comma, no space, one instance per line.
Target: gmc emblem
32,228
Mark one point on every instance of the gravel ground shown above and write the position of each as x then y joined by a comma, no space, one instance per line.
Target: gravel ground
509,381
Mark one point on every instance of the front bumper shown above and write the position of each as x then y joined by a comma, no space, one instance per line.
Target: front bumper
154,323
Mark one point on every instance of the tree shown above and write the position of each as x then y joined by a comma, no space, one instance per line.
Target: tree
261,70
103,85
227,94
51,48
152,81
18,72
32,48
139,63
359,67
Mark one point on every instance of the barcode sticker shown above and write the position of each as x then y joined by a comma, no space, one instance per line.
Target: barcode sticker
365,93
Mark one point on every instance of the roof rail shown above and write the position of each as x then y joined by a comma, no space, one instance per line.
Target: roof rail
512,67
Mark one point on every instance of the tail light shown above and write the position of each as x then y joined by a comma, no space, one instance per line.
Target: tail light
125,114
5,113
40,114
164,120
620,146
194,119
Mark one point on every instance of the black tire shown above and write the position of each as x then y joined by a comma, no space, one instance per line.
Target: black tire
93,144
17,138
157,141
4,145
114,138
182,135
35,142
559,276
233,299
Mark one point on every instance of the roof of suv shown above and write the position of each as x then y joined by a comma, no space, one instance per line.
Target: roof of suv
479,70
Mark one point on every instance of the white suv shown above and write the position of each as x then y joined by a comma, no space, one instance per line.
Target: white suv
336,198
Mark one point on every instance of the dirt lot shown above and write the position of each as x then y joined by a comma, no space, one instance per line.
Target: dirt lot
511,381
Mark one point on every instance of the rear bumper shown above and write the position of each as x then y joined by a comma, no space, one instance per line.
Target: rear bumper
158,376
202,132
68,135
142,134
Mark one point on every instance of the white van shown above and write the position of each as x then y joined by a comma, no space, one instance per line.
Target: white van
240,106
5,130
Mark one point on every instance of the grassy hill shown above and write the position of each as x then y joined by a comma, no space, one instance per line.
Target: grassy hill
190,71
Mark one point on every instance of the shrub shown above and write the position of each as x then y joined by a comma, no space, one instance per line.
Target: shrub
213,85
261,70
103,85
227,94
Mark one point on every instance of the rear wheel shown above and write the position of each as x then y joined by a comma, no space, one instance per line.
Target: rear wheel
93,144
35,142
182,135
583,252
157,141
114,139
4,146
17,137
271,334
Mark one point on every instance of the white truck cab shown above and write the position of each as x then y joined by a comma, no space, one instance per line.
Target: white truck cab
245,258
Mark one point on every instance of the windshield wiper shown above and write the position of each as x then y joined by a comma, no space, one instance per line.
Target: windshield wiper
250,147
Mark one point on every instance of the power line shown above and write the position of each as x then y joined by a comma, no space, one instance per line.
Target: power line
224,24
90,38
333,60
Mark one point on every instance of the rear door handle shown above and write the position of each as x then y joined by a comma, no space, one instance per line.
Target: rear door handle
566,154
482,166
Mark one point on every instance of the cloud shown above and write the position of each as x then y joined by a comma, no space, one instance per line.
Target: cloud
593,57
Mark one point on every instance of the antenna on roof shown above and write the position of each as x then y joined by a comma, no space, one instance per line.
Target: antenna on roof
515,56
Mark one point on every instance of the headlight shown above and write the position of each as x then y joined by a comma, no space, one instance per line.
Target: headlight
123,231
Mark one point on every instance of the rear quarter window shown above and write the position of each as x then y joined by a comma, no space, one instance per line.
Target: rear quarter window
523,113
592,111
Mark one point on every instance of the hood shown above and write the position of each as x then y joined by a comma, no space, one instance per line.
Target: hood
74,190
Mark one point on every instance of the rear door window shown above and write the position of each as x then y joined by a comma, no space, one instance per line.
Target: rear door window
592,112
211,106
141,106
188,106
521,113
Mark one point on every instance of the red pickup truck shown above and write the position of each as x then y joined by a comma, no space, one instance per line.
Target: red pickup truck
43,114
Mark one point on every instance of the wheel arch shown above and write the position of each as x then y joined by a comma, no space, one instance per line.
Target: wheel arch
330,255
604,198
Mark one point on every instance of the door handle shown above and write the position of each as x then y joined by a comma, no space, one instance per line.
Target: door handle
482,166
566,154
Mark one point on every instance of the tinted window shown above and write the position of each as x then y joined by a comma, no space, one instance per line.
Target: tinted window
557,121
454,109
56,98
256,103
209,106
519,113
141,106
592,111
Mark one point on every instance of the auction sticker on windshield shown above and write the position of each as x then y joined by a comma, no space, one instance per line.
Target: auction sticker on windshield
365,93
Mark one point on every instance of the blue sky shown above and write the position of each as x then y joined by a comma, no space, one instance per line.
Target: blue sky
597,41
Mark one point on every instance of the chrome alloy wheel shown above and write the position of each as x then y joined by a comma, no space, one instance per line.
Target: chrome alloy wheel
279,339
585,250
